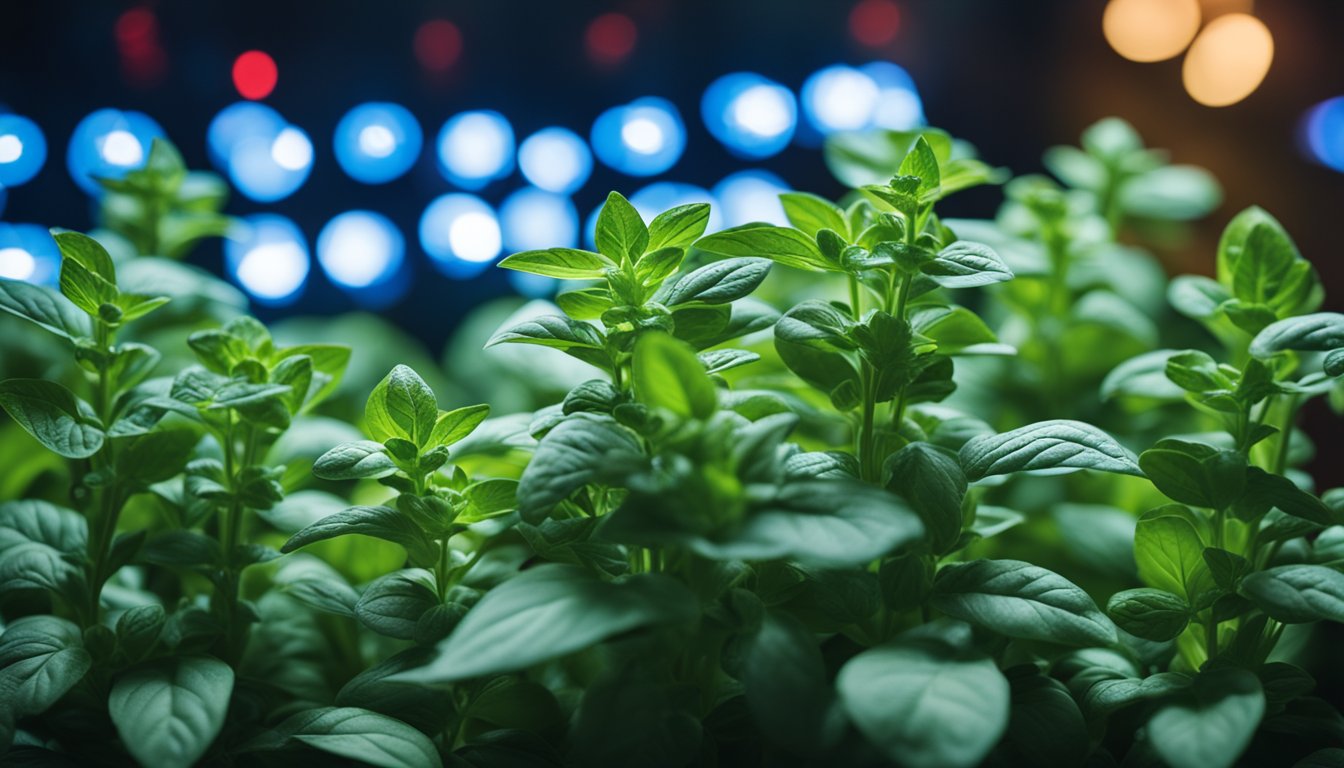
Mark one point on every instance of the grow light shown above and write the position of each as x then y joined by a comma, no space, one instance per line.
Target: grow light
556,160
476,148
107,144
533,218
23,150
643,138
840,98
752,116
749,196
267,255
28,253
460,232
360,249
377,142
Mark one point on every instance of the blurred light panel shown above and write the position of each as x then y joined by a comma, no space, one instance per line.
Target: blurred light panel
236,123
3,195
643,138
1150,30
1323,133
254,75
556,160
28,253
476,148
899,107
840,98
108,144
270,168
749,196
461,234
360,249
661,195
377,142
23,150
533,219
1228,60
267,255
752,116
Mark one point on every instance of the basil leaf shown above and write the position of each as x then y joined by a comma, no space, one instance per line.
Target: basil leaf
667,374
1210,723
965,264
1151,614
1056,444
168,712
363,736
41,659
562,263
54,416
1021,600
1296,594
46,308
379,522
678,227
1319,332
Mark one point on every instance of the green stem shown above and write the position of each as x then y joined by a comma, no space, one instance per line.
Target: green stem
1285,435
855,298
103,525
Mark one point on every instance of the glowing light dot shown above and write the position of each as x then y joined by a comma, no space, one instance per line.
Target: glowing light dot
840,98
292,150
476,148
437,45
475,237
254,75
358,249
761,110
610,38
642,135
11,148
16,264
1150,30
1228,60
377,141
874,23
461,234
122,148
555,159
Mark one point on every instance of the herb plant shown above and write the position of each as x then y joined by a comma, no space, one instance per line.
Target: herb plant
780,523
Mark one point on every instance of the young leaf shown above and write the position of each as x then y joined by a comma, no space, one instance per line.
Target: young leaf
924,705
621,233
1319,332
1151,614
393,604
811,214
1106,696
168,712
379,522
88,253
52,414
569,457
41,658
551,331
718,282
779,244
563,263
1021,600
785,682
1296,594
354,461
667,374
1210,723
678,227
965,264
1045,726
362,736
1054,444
402,405
46,308
456,424
547,612
1194,473
931,480
655,266
1170,556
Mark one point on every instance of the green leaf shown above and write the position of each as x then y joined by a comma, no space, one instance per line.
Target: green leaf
621,233
782,245
379,522
41,658
1170,555
46,308
1258,261
1265,490
869,157
785,682
1171,193
585,303
551,331
362,736
1196,296
329,364
1333,365
569,457
1319,332
51,413
1151,614
965,264
168,712
1209,724
155,457
718,282
931,480
88,253
87,290
921,162
1021,600
655,266
456,424
547,612
956,331
667,374
354,461
678,227
1106,696
563,263
1045,725
402,405
1194,473
31,521
924,706
1056,444
1296,594
811,214
393,604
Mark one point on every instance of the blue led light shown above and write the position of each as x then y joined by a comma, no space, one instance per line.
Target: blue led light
840,98
377,142
533,219
28,253
752,116
643,138
23,151
238,122
108,144
899,107
268,256
267,170
751,196
556,160
461,234
1323,133
360,249
476,148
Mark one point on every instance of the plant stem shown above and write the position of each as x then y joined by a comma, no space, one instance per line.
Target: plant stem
103,525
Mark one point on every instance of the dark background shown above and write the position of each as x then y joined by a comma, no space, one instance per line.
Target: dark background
1011,77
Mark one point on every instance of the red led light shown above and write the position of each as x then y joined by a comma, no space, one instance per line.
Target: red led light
874,23
438,45
254,75
610,38
136,30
